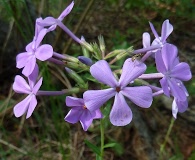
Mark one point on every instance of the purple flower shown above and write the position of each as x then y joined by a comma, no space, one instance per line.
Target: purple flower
79,112
27,60
20,86
52,22
166,30
174,72
120,114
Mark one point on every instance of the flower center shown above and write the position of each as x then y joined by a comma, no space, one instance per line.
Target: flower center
118,89
84,107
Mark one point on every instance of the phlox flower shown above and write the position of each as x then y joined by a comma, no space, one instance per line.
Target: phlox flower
79,112
121,113
174,72
27,60
159,41
166,30
52,22
31,88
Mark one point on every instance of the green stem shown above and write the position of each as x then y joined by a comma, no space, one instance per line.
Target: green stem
162,147
102,137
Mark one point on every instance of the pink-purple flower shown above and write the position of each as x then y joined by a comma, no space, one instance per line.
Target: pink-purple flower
79,112
121,113
31,88
174,72
27,60
166,30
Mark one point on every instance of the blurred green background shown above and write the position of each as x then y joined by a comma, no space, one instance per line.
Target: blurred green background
46,135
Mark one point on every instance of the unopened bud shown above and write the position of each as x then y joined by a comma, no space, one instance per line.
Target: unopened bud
85,60
102,43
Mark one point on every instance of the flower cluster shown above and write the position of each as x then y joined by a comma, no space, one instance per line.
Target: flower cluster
171,74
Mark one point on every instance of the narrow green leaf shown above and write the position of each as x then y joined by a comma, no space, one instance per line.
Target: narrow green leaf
109,145
94,148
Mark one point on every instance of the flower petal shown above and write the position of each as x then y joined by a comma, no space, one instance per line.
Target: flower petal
37,86
33,77
33,103
169,54
174,109
20,85
40,37
29,47
73,101
182,105
176,89
48,21
160,66
120,114
73,115
96,114
66,11
153,30
29,67
102,72
165,86
22,59
38,28
86,120
94,99
141,96
44,52
131,71
146,39
181,72
22,106
167,28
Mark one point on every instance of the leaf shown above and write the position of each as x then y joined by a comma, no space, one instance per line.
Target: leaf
109,145
94,148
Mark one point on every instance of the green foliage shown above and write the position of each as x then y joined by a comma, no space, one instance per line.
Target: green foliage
94,148
192,156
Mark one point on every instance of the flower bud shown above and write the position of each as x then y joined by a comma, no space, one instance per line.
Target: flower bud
85,60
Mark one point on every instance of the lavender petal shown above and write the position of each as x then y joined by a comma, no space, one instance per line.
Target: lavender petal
141,96
160,66
94,99
86,120
102,72
66,11
32,105
131,71
33,77
167,28
165,86
169,54
146,39
181,72
37,86
44,52
21,107
120,114
30,65
73,116
20,85
154,31
73,101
